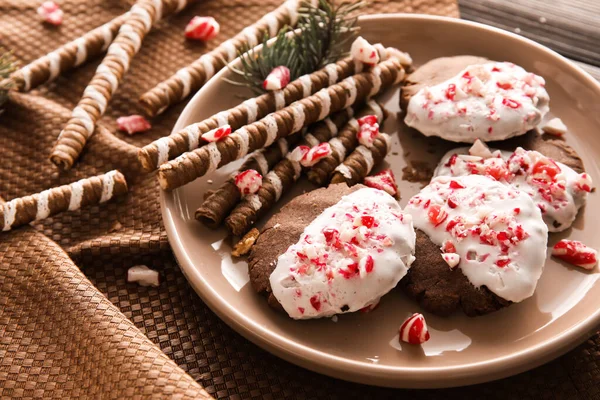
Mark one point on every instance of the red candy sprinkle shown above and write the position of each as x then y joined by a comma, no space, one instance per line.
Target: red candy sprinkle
575,253
367,221
315,302
217,134
448,247
511,103
436,215
451,91
51,13
414,330
278,78
133,124
503,262
384,180
505,85
202,28
456,185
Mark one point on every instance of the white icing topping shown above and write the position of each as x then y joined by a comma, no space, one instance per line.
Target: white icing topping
54,64
476,218
93,93
185,78
352,91
376,73
222,118
214,156
271,125
43,209
158,7
358,66
272,23
242,138
105,71
377,110
230,50
120,54
323,94
127,31
331,126
306,85
344,170
208,64
263,165
367,155
493,101
76,195
254,202
279,99
298,115
555,127
332,73
193,135
311,140
553,186
85,118
251,109
292,9
107,36
353,123
276,182
317,277
144,16
250,35
108,185
26,74
10,212
338,147
162,147
81,54
283,146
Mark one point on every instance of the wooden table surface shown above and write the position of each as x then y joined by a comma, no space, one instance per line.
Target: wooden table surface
570,27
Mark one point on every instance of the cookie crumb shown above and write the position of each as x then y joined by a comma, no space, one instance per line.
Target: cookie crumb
245,244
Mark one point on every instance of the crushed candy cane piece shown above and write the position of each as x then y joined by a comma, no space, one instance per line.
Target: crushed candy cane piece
584,183
202,28
217,134
384,180
277,79
367,120
555,127
575,253
479,149
315,154
452,259
143,275
414,330
364,51
133,124
51,13
367,131
248,181
298,153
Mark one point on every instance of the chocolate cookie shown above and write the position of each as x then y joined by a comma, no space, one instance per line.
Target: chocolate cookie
433,72
441,290
284,229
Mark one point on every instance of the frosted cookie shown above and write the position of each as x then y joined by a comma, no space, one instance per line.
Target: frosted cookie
333,251
557,189
481,246
483,100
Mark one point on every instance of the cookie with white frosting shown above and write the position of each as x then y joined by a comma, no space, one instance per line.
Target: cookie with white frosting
481,246
332,251
484,100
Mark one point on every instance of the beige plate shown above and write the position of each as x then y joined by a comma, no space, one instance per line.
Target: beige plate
364,347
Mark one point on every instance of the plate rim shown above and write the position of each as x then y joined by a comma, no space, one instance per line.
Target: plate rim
362,372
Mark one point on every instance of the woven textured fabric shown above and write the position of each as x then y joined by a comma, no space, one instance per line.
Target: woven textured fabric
70,324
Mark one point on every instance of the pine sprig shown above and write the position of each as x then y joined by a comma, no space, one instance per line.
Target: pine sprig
7,66
320,39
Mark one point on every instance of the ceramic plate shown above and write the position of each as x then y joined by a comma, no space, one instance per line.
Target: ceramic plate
363,347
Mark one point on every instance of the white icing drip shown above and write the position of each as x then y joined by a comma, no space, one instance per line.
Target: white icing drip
311,140
263,165
367,155
207,63
283,146
243,141
331,126
76,195
338,147
251,109
54,64
292,10
214,156
376,74
272,23
344,170
193,135
162,147
352,91
254,202
271,125
332,73
230,50
105,71
43,209
479,211
81,54
493,101
323,94
10,212
108,186
222,118
298,115
26,73
120,54
306,291
93,93
107,36
250,35
277,185
306,85
85,118
279,99
185,78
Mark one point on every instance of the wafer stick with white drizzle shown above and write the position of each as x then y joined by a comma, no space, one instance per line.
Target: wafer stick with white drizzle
215,207
107,78
85,192
359,164
343,144
284,122
67,56
191,78
164,149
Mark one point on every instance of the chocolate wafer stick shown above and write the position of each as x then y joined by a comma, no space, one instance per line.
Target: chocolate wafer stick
343,144
359,164
162,150
69,55
107,78
284,122
216,207
85,192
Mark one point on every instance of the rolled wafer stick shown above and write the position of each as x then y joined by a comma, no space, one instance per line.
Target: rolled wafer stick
284,122
194,76
359,164
85,192
164,149
67,56
107,78
343,144
215,208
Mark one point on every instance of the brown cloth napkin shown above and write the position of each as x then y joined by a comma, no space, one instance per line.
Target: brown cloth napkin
70,324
